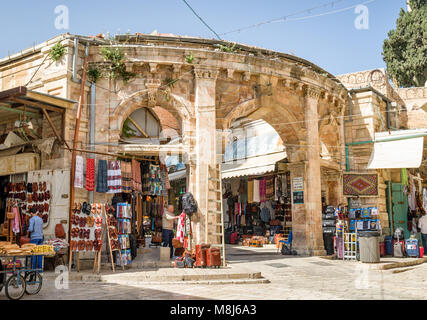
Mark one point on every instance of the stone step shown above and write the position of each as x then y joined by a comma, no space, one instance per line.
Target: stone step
200,275
199,282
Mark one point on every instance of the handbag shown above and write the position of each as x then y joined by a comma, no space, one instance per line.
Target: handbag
177,244
157,237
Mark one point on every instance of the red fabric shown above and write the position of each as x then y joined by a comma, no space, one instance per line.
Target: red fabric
90,174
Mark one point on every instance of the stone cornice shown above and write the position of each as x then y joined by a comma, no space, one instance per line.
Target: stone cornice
204,72
312,92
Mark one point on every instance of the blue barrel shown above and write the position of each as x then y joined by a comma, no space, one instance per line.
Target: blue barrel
388,245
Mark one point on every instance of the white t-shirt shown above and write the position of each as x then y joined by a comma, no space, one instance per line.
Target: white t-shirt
422,224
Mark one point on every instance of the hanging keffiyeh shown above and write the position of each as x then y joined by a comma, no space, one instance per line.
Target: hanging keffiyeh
101,180
126,169
90,174
114,177
78,175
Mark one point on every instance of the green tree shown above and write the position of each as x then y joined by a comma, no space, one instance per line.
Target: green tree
405,50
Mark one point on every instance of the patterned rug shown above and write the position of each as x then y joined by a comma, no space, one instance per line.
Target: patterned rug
360,184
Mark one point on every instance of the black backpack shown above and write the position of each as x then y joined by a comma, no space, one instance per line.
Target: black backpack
189,204
286,251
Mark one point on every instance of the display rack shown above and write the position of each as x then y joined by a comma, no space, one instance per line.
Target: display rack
350,246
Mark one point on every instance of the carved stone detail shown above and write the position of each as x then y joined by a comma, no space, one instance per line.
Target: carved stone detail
206,73
312,92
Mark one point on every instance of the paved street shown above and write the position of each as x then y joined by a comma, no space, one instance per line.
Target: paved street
290,278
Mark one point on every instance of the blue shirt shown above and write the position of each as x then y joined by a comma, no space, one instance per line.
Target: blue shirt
36,228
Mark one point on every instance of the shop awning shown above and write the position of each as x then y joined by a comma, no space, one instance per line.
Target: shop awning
181,174
252,166
397,149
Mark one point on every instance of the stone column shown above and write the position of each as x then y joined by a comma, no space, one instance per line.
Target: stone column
313,196
307,216
204,146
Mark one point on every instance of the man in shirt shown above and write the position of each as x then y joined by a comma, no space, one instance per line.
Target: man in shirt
167,227
422,224
36,230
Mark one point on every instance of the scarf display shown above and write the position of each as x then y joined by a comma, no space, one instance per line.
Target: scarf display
256,197
136,175
90,174
269,188
126,169
262,189
114,177
180,227
250,191
78,175
155,180
101,179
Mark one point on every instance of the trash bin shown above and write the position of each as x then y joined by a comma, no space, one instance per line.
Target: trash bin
389,245
369,246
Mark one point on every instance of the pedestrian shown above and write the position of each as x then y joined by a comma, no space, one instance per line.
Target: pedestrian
167,227
422,224
36,236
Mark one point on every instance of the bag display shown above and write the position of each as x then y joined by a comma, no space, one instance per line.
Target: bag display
59,231
189,204
213,257
397,250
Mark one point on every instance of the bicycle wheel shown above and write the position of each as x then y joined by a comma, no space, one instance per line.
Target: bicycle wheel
34,282
15,290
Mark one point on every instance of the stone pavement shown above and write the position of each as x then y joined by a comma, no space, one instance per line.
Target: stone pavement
289,278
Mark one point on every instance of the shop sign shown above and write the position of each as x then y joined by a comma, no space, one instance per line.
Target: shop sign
298,197
298,183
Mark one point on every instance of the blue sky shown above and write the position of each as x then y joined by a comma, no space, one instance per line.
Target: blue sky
331,41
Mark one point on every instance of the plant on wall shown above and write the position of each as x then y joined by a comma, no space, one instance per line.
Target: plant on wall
116,68
57,51
189,58
93,74
228,48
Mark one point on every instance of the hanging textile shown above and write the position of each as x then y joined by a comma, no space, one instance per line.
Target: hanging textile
15,222
180,227
145,178
256,197
126,169
136,175
101,179
90,174
404,177
250,191
425,199
78,173
114,177
269,188
262,189
155,180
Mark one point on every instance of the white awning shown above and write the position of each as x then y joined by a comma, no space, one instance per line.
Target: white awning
181,174
252,166
407,152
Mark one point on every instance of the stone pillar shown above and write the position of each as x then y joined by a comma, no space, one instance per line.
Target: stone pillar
204,146
307,217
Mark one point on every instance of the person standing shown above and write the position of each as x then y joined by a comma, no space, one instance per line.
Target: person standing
36,230
422,224
167,227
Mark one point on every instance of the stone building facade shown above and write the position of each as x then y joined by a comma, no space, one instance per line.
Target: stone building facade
212,87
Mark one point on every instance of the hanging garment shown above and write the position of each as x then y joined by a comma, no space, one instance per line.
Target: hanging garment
250,191
284,185
78,173
126,168
235,184
256,197
114,177
269,188
425,199
262,189
404,177
269,206
136,175
180,227
90,174
155,180
15,222
265,213
101,179
277,188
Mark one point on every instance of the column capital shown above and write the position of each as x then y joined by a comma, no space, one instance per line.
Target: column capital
208,73
312,92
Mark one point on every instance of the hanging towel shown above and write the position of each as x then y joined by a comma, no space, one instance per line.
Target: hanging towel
256,197
90,174
126,169
250,191
136,176
101,180
78,175
114,177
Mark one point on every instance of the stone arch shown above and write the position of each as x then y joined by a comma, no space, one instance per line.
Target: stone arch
177,106
289,128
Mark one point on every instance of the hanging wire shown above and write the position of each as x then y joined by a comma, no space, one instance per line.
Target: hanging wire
195,13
